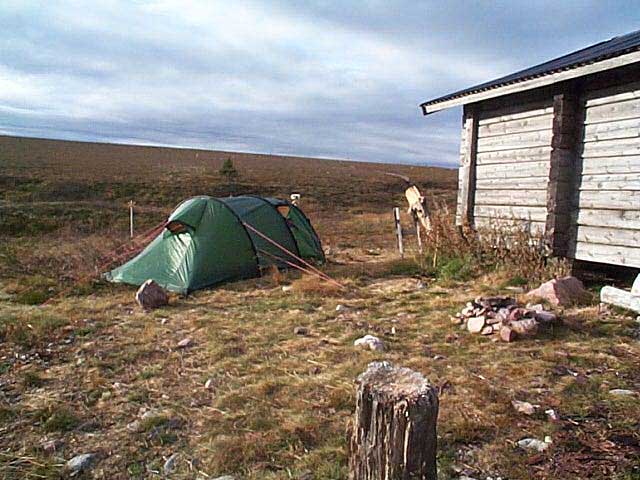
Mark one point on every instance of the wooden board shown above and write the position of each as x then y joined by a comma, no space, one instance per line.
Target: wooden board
615,219
610,181
596,165
610,199
511,183
535,214
609,112
512,197
535,228
506,127
595,132
514,170
537,154
617,147
515,141
609,236
614,254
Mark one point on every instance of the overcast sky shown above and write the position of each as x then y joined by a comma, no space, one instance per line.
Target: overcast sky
325,78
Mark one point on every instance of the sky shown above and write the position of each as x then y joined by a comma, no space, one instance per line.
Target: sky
327,78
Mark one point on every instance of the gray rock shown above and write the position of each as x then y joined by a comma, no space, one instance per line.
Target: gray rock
170,464
81,462
150,295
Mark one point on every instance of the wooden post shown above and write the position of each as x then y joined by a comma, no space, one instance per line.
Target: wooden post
396,216
394,435
131,204
563,172
467,170
418,234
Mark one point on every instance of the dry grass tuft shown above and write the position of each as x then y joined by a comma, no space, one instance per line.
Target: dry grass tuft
314,286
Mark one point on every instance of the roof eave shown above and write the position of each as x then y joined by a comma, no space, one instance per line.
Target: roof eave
531,83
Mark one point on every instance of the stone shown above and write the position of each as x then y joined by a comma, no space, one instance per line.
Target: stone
341,308
517,314
185,343
170,464
476,324
300,330
536,307
287,288
534,444
371,342
546,318
81,462
524,407
621,392
225,477
488,330
507,334
561,291
150,295
527,327
209,384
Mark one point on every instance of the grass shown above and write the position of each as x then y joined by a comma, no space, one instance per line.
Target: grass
278,404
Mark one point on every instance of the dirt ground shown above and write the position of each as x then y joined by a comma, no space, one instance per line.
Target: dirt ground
92,373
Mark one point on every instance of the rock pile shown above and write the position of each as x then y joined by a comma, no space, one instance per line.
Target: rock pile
503,317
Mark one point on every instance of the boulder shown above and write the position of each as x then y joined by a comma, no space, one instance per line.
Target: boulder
150,295
561,291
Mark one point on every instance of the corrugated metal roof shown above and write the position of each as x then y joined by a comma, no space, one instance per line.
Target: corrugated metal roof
600,51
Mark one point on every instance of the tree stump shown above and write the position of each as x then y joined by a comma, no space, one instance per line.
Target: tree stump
394,432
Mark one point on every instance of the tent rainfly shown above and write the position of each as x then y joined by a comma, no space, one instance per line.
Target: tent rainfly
206,241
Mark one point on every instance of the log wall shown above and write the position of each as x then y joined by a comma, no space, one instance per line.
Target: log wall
608,219
512,165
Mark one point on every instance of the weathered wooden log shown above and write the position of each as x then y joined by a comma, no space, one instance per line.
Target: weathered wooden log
620,298
394,432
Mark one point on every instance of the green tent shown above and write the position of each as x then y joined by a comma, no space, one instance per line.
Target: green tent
207,241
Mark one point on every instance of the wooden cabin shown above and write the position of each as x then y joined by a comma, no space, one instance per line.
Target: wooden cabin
557,146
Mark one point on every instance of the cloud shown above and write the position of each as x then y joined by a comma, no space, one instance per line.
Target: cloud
329,79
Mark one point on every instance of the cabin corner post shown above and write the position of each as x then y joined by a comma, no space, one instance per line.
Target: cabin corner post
562,165
467,169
